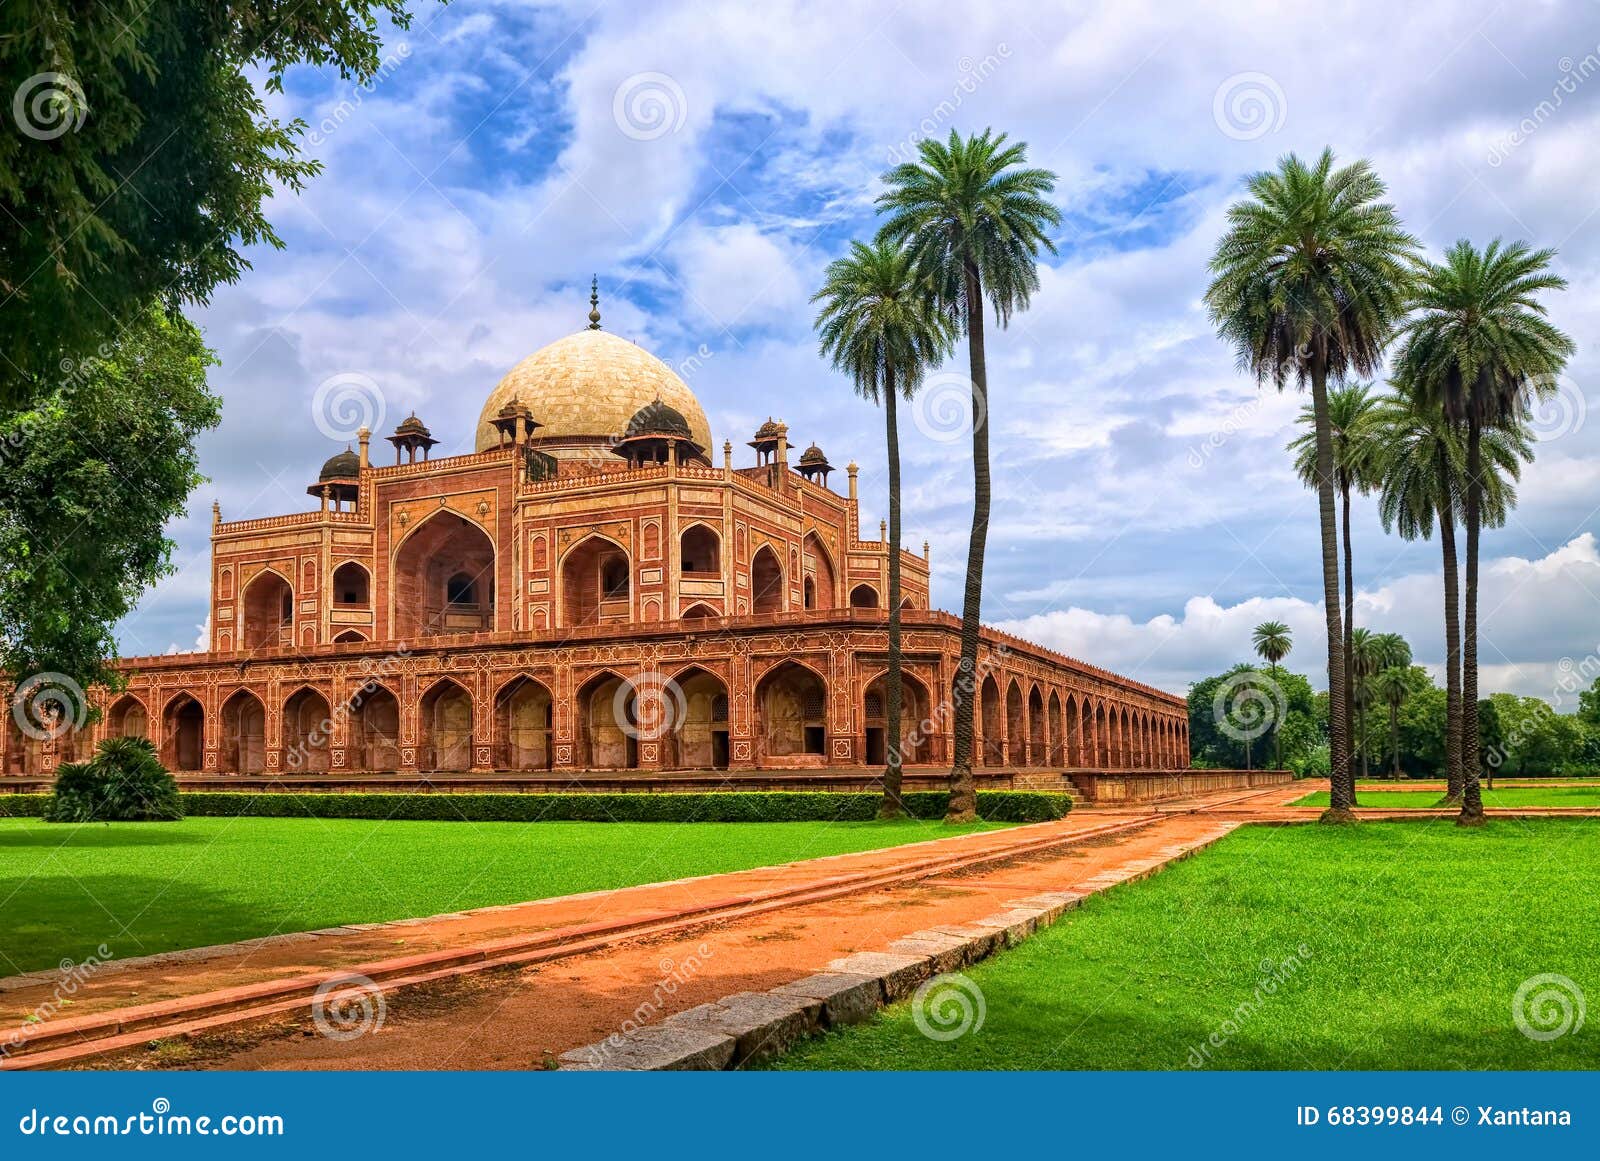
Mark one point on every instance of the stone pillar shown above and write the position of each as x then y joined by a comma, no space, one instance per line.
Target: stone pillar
563,720
852,470
410,733
483,720
364,438
742,742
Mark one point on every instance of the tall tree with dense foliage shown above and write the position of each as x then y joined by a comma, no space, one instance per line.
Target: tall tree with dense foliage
1272,641
1423,480
90,469
1350,416
1389,685
973,216
1479,345
135,172
879,326
1309,281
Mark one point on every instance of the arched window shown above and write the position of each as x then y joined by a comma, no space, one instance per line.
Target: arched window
351,585
863,597
460,589
701,550
614,578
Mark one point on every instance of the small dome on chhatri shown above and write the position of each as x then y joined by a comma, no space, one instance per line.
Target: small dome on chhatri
411,425
514,408
771,429
344,466
813,455
658,418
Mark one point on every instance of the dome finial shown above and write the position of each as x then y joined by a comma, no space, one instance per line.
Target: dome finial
594,303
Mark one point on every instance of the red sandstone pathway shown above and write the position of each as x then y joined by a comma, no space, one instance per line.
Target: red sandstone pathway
603,953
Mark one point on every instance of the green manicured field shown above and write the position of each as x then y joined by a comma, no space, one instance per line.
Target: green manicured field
1508,797
141,888
1408,944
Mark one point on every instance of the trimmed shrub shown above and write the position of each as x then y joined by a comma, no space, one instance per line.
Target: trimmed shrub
23,805
720,806
123,782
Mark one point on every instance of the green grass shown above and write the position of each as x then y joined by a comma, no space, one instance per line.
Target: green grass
141,888
1510,797
1416,938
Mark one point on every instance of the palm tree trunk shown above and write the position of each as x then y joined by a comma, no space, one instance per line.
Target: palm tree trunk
1277,730
1358,741
1452,654
963,797
892,806
1471,794
1342,795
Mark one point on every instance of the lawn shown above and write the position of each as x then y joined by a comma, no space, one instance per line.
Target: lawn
1502,797
141,888
1381,946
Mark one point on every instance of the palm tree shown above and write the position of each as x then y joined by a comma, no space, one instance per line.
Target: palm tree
1389,653
1350,410
879,326
1480,346
974,218
1392,687
1423,478
1272,641
1308,284
1364,662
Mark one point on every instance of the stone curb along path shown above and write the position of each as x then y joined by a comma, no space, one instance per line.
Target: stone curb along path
64,1041
749,1027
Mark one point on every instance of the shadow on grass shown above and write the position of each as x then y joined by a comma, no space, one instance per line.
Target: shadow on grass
98,835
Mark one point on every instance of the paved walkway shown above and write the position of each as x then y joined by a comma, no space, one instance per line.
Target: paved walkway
577,968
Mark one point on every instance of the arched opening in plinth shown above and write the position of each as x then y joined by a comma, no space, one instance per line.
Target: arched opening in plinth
700,611
268,610
244,733
817,565
1016,726
1036,754
446,727
444,579
374,728
24,752
307,732
863,597
766,582
916,724
596,585
1102,736
1057,755
607,737
522,724
792,714
696,708
994,738
184,727
127,718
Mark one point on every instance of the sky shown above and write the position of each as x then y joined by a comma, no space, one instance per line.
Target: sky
706,161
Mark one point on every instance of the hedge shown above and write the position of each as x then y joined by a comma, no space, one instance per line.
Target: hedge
719,806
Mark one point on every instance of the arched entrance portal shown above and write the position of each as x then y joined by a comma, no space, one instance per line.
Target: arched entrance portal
268,610
994,742
375,727
607,739
444,579
792,714
522,720
697,702
128,719
244,733
766,582
820,583
595,584
307,725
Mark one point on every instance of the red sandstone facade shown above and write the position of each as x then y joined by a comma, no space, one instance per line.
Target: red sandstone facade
586,594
